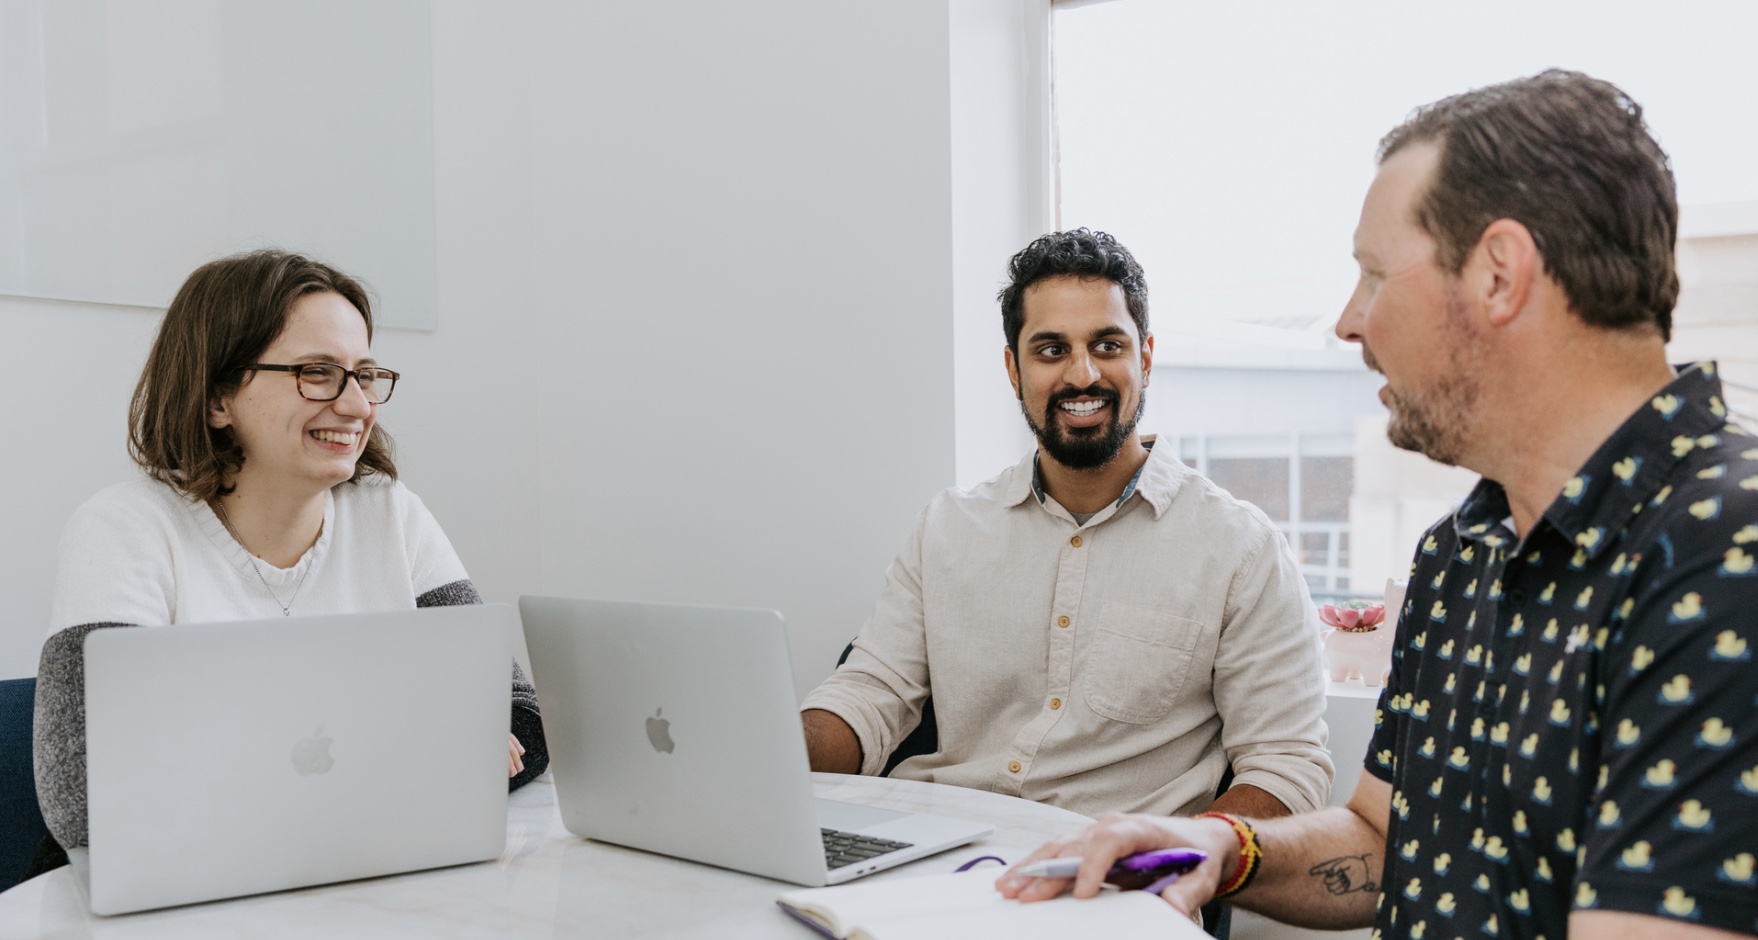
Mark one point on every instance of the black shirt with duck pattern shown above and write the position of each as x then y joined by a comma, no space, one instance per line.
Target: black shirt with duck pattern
1569,723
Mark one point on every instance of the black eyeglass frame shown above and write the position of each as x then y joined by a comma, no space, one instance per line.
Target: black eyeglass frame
342,386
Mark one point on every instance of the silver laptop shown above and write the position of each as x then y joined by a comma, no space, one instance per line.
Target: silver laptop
674,729
233,759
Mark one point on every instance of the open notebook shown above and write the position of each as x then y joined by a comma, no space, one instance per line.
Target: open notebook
965,905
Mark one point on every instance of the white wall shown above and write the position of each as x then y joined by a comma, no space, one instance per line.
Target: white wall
696,293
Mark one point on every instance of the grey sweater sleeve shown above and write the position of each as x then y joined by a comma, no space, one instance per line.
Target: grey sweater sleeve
527,722
58,737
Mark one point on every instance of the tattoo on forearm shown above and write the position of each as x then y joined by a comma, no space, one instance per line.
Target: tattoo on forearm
1345,874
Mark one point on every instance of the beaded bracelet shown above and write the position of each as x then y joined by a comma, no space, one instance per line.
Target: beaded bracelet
1250,854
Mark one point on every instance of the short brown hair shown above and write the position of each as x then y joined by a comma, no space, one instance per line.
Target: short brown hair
1569,157
221,320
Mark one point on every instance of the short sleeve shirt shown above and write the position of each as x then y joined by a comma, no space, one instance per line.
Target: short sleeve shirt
1572,719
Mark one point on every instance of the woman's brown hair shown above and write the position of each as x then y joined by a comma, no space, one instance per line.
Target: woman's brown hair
221,320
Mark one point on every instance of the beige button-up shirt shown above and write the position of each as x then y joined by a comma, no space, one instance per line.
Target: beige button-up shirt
1115,665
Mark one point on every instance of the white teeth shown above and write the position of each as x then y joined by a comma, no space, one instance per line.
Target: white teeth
1082,408
335,437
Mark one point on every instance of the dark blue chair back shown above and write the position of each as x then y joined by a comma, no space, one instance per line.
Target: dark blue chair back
21,821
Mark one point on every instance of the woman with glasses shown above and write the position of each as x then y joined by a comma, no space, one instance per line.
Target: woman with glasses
268,491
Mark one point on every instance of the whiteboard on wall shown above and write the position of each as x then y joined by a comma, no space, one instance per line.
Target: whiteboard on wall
139,140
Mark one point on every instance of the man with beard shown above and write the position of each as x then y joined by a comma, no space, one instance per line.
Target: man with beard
1566,746
1098,627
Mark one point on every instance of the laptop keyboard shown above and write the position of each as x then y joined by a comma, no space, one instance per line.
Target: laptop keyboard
847,848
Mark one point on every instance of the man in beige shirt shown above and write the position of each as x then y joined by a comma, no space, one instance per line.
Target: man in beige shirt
1100,628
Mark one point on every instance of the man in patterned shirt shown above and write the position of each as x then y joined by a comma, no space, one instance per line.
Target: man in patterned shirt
1567,744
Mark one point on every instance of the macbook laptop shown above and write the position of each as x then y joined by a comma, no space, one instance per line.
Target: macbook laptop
674,729
238,758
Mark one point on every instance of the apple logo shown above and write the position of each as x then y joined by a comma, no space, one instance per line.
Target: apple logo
312,755
659,732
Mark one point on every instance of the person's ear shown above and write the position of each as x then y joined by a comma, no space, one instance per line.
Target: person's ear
1012,371
1147,359
219,414
1508,261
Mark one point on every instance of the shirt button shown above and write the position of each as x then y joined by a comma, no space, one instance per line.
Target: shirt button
1062,621
1075,541
1013,766
1517,597
1055,703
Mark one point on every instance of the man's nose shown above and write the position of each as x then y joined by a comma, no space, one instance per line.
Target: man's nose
1081,371
1349,321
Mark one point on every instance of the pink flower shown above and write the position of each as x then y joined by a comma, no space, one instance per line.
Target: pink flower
1354,617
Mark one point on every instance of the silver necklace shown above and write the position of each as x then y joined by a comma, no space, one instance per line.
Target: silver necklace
287,608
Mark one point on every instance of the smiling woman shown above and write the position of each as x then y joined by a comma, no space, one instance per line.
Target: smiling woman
268,488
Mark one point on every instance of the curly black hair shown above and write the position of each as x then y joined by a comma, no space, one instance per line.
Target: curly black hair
1079,253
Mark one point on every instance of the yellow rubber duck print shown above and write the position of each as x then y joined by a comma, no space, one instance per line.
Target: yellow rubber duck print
1566,840
1579,560
1677,691
1418,930
1519,902
1523,664
1628,733
1747,535
1459,760
1641,658
1694,816
1660,776
1739,870
1625,469
1730,647
1689,607
1439,579
1559,712
1712,473
1677,903
1520,822
1638,857
1529,746
1419,711
1474,655
1442,862
1748,782
1706,509
1499,734
1749,483
1584,598
1434,789
1573,489
1735,563
1490,928
1556,672
1437,612
1589,537
1446,905
1419,641
1430,545
1544,873
1608,814
1541,790
1667,405
1452,683
1548,594
1551,630
1683,445
1446,651
1495,849
1410,849
1427,749
1477,839
1585,896
1477,729
1517,625
1715,734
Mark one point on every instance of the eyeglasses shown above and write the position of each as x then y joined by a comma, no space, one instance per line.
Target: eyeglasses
324,381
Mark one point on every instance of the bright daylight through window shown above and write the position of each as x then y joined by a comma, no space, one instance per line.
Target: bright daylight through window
1229,146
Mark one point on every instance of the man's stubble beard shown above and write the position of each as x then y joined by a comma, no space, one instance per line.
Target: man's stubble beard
1437,423
1085,451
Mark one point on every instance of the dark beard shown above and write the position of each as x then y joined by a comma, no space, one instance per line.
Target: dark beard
1084,448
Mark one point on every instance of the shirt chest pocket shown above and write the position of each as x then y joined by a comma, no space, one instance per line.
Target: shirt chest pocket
1139,663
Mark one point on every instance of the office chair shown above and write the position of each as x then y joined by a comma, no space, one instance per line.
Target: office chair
25,847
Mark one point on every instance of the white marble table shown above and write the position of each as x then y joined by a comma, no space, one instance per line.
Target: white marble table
547,883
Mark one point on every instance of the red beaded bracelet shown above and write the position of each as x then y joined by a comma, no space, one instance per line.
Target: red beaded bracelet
1250,853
